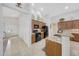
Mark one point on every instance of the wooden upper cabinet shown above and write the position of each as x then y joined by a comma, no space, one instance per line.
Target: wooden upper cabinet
39,23
69,25
62,25
76,24
65,25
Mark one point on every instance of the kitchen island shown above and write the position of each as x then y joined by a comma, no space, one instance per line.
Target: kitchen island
53,47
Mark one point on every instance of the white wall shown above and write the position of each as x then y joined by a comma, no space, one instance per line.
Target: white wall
25,25
1,32
48,23
25,28
11,25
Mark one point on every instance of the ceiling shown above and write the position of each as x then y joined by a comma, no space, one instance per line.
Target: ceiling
7,12
49,9
53,9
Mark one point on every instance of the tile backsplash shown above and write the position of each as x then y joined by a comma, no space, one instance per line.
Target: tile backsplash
71,31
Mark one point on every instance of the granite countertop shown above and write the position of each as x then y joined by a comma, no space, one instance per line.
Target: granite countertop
63,34
57,37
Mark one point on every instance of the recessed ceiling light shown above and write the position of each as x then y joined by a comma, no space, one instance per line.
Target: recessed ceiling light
42,9
66,7
33,4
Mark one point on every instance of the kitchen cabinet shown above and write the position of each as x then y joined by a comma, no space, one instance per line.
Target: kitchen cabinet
62,25
33,38
40,25
53,48
76,24
69,24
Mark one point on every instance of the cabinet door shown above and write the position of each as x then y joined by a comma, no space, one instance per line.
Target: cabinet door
33,38
53,48
50,49
66,25
62,25
58,49
69,25
76,24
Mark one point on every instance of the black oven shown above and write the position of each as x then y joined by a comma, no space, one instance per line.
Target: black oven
38,36
45,30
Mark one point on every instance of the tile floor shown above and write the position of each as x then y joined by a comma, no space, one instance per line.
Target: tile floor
17,47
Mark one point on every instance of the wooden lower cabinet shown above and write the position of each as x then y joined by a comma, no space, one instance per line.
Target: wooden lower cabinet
33,38
53,48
